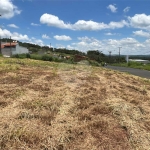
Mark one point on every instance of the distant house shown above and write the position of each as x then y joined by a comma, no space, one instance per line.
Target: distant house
140,61
9,49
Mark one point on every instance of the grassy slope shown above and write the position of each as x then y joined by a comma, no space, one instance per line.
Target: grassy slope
56,106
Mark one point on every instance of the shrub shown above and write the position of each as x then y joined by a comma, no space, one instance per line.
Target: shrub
22,56
58,60
70,61
94,63
36,57
47,58
27,55
102,63
15,56
133,63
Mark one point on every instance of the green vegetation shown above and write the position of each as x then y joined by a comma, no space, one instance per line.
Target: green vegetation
45,53
47,57
143,57
133,64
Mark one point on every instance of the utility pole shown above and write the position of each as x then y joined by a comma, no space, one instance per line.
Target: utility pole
109,56
10,46
0,46
119,53
0,43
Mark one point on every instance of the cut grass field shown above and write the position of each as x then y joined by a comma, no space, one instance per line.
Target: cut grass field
56,106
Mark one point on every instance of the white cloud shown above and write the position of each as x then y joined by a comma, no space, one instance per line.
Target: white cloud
129,45
141,21
126,9
19,37
62,37
88,40
60,46
16,36
147,41
44,36
88,25
70,47
114,25
109,33
87,43
39,42
85,39
128,41
50,46
8,9
36,41
5,33
112,8
141,33
91,25
34,24
52,20
12,26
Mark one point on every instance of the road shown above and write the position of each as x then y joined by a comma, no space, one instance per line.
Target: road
137,72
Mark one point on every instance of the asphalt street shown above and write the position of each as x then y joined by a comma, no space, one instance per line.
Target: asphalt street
137,72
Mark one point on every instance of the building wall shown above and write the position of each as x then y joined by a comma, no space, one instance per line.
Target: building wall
17,50
6,52
20,50
140,61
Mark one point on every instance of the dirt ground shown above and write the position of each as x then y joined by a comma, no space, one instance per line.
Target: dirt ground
50,106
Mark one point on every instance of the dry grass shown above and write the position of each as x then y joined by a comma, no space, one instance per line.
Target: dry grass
50,106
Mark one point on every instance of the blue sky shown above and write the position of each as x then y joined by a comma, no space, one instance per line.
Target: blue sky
102,25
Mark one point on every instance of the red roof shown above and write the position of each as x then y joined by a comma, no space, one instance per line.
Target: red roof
8,44
2,46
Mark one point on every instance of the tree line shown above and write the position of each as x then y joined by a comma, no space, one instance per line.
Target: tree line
91,54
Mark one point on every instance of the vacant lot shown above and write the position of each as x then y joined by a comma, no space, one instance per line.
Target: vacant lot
56,106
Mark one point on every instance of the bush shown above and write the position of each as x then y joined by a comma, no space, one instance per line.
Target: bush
58,60
94,63
47,58
36,57
27,55
22,56
133,63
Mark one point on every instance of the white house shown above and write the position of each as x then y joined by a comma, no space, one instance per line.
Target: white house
140,61
9,49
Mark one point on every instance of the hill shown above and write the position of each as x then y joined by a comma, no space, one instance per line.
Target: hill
56,106
39,51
